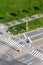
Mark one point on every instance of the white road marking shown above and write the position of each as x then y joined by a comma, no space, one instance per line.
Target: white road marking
36,35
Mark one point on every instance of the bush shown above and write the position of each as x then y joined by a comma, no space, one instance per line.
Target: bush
36,8
1,17
25,11
13,14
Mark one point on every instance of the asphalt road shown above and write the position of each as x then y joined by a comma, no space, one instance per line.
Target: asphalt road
30,60
33,35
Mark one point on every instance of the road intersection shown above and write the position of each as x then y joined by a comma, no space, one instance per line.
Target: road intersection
10,43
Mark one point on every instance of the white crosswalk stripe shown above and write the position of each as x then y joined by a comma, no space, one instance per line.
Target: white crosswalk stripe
37,54
13,43
41,57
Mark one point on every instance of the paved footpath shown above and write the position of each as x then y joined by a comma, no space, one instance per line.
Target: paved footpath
33,17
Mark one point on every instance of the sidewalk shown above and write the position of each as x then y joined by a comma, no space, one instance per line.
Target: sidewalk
33,17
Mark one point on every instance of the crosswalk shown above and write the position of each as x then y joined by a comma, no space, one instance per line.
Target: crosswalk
37,54
19,46
13,43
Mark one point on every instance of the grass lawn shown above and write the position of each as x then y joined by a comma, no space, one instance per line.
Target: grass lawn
22,27
15,9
